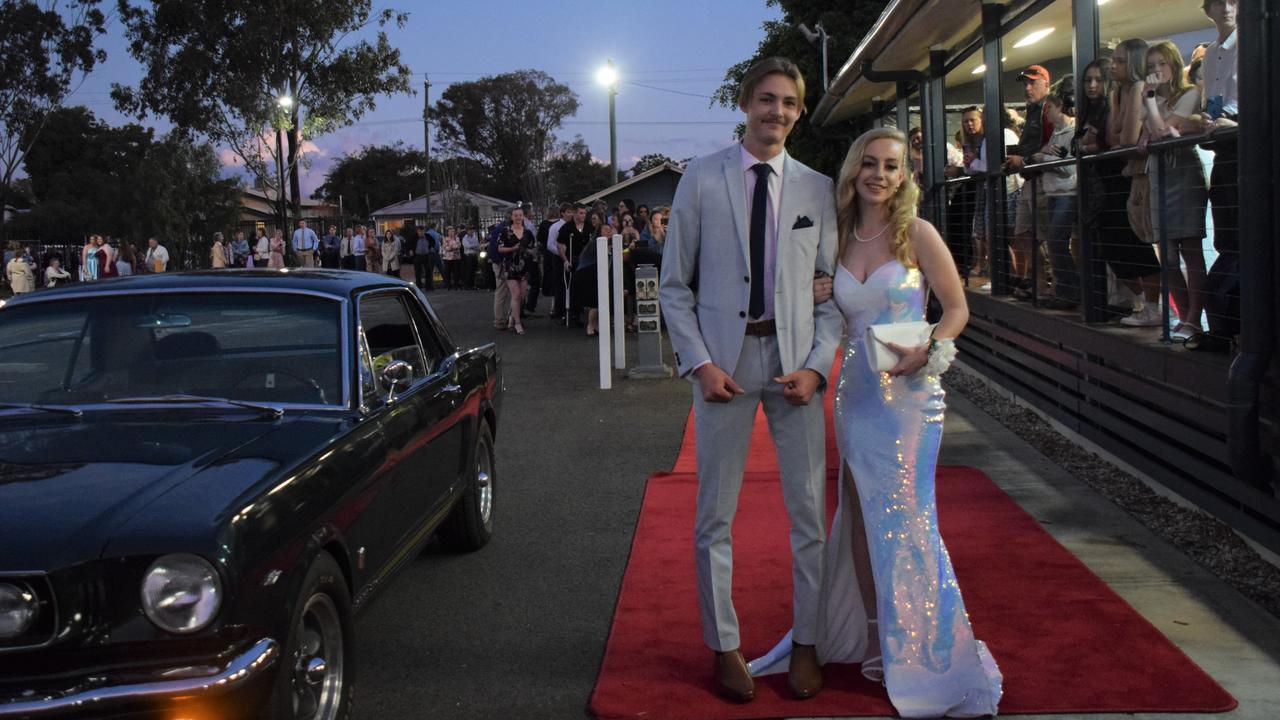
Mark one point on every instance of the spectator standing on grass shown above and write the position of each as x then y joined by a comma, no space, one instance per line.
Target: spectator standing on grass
470,256
391,254
55,275
157,259
240,252
422,270
127,262
275,249
330,246
358,250
89,259
18,272
305,244
218,253
451,253
1130,258
372,251
1035,133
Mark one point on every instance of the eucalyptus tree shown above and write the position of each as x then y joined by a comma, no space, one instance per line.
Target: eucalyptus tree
221,69
45,45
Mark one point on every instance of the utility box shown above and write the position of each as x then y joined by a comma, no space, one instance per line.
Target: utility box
648,326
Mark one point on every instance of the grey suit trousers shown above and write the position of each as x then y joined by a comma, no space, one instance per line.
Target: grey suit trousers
723,434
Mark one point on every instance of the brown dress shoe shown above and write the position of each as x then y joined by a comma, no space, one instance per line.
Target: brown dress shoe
732,678
805,675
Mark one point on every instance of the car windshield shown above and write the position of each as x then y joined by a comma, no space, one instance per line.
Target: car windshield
253,347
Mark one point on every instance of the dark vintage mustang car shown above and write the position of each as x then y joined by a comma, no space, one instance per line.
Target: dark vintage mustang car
203,475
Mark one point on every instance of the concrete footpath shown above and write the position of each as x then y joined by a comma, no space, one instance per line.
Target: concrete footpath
518,629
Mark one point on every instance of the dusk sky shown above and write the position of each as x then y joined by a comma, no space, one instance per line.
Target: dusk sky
679,49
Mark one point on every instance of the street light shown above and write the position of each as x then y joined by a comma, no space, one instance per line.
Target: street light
608,77
285,101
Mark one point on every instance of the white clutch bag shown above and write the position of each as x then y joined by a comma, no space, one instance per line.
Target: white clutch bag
906,334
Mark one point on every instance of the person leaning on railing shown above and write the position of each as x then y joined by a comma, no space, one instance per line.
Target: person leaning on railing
1170,104
1131,259
1219,112
1059,187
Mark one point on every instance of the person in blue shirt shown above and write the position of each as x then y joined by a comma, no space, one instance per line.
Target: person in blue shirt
330,248
305,244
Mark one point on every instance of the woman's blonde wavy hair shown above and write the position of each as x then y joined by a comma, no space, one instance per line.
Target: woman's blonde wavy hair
902,207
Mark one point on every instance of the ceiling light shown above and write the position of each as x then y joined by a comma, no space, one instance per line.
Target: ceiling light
1034,37
980,69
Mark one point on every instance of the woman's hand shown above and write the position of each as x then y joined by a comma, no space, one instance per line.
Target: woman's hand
822,288
1153,80
910,359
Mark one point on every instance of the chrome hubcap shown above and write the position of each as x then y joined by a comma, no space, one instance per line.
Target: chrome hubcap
484,482
317,664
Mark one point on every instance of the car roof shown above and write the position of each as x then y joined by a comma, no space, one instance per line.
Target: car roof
338,283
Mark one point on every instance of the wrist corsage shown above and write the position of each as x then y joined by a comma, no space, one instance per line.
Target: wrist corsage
942,352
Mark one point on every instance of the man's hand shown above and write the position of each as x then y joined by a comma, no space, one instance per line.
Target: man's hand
1221,123
716,385
910,359
822,286
799,386
1013,164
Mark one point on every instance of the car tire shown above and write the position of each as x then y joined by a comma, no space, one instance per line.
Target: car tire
320,629
470,524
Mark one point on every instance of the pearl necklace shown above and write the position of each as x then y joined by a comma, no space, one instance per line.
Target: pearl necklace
873,237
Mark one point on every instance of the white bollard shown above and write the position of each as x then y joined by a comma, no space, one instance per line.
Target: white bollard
603,326
619,309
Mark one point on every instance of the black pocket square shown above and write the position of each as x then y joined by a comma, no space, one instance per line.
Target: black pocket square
802,222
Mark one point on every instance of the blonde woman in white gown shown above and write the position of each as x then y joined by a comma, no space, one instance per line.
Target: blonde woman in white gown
891,601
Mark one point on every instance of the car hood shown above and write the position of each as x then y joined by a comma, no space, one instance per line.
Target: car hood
68,485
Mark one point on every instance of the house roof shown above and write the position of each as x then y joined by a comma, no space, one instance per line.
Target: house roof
417,205
270,197
632,181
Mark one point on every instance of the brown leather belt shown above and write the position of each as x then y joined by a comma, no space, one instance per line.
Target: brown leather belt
764,328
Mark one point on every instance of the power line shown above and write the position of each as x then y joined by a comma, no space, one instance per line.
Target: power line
668,90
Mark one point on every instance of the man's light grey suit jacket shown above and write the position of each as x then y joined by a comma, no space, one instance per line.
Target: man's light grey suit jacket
708,239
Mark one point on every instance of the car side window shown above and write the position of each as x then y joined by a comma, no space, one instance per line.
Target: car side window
431,345
389,333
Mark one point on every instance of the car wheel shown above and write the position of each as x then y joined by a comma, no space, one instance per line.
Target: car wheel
470,523
317,672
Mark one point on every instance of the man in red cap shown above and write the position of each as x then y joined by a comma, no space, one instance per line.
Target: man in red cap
1036,132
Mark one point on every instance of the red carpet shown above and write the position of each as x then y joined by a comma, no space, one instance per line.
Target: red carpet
1065,642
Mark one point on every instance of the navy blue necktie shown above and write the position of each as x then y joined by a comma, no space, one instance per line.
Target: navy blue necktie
759,207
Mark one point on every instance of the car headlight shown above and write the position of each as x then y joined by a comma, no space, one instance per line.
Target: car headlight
18,609
181,593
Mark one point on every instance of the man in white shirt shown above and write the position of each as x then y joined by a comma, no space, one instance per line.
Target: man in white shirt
357,248
1221,96
157,259
553,266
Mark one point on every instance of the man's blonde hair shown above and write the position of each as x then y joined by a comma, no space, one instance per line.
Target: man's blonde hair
776,65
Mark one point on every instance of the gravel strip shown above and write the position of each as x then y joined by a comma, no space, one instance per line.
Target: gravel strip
1201,536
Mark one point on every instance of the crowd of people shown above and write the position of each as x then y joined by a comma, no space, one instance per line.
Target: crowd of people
1143,93
98,259
557,257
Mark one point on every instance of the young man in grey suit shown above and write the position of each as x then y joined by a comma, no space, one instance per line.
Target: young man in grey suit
750,227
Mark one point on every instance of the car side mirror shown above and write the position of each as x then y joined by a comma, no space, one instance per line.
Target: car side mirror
396,377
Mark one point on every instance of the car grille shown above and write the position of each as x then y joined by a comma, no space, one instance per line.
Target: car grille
42,630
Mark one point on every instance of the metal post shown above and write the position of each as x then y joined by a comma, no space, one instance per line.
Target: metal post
993,120
1092,270
1033,182
613,130
426,146
904,107
934,126
1168,260
822,37
619,309
603,311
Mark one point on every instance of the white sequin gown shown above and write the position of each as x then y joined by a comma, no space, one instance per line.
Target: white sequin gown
888,431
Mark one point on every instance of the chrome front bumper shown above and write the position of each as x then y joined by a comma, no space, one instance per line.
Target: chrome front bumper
239,671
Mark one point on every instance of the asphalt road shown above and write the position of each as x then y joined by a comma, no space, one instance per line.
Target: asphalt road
517,630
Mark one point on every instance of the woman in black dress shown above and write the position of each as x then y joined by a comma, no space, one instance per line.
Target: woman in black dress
1132,260
517,246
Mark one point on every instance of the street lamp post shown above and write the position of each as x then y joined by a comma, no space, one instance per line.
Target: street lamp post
286,104
608,77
